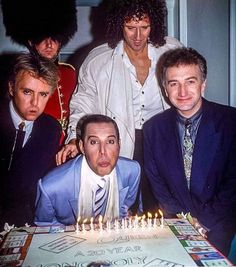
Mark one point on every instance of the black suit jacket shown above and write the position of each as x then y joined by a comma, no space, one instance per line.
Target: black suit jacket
37,157
212,196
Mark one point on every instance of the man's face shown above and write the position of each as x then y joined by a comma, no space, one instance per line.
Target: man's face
136,33
29,95
100,147
48,48
184,87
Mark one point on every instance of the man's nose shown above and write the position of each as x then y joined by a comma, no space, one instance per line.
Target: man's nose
138,33
34,100
182,90
48,42
102,149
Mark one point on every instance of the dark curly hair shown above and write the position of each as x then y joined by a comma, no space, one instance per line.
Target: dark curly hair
119,11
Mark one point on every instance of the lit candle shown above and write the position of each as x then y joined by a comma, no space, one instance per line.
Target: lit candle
155,220
143,221
116,225
83,225
77,225
130,223
123,224
100,222
162,219
108,225
136,219
91,224
149,220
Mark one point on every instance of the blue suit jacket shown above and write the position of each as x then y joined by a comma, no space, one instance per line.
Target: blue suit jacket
57,197
212,196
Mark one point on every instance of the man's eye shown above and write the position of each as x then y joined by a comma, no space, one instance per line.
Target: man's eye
111,141
44,94
26,92
172,84
93,142
191,81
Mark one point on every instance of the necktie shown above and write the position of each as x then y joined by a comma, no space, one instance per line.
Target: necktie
19,138
100,197
18,142
187,151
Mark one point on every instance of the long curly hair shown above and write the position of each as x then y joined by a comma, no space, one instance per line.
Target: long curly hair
119,11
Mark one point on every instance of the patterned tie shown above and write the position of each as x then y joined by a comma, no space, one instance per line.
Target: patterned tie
100,197
18,142
187,151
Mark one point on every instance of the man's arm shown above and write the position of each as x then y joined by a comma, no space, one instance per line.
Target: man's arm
45,213
133,184
84,101
167,202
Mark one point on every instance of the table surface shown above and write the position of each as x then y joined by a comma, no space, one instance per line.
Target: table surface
176,244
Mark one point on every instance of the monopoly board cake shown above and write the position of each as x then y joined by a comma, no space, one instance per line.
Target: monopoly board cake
176,243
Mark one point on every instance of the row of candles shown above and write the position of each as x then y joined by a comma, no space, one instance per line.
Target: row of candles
137,222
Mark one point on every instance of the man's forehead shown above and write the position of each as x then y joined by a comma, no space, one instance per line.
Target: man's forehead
137,18
100,129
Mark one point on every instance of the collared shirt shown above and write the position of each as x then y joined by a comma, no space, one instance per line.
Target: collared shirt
17,120
93,181
195,120
147,100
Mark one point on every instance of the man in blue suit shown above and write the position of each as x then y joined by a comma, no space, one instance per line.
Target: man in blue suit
190,150
98,182
29,138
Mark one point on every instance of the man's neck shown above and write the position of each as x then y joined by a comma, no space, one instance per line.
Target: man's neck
132,54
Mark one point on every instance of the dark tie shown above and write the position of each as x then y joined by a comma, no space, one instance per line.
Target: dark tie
18,142
100,198
187,151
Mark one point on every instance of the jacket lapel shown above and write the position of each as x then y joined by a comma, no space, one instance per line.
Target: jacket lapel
172,154
205,148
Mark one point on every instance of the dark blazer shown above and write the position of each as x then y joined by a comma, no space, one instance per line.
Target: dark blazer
212,196
18,186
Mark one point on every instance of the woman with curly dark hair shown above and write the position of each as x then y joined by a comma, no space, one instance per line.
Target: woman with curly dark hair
118,79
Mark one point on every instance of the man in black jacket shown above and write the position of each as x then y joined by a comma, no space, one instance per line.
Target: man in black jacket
29,138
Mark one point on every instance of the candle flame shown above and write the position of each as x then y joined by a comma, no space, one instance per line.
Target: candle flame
160,212
144,216
91,220
85,220
156,215
78,219
149,215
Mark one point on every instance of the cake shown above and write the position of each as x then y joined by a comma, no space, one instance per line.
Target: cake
124,243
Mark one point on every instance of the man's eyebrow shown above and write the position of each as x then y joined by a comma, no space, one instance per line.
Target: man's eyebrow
188,78
95,136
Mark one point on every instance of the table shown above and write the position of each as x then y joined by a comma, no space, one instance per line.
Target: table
174,245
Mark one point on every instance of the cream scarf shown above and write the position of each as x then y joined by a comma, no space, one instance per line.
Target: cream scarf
88,185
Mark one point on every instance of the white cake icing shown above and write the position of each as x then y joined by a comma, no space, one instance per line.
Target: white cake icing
144,245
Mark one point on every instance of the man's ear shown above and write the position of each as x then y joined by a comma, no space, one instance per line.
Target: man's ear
81,146
11,88
203,87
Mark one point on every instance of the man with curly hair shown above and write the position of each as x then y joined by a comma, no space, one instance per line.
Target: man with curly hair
118,79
